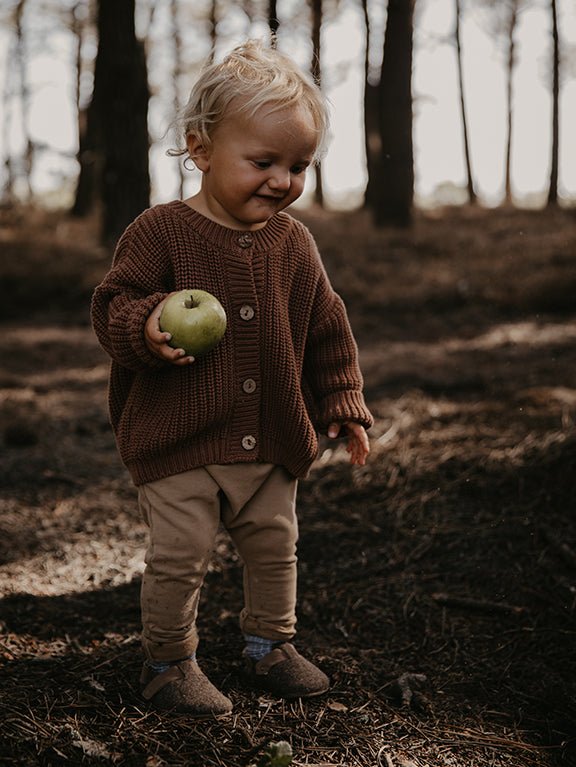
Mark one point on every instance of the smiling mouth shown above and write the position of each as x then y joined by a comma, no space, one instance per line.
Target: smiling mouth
270,197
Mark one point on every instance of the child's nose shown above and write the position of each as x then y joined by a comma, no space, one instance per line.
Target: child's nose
279,179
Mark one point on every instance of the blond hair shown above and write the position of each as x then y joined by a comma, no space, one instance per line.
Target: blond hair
250,76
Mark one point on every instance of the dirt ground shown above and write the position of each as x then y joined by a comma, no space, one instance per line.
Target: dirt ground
437,584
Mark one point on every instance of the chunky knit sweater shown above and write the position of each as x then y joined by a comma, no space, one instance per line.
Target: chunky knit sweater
286,367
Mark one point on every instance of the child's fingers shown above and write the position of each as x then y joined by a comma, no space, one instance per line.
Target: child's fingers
175,356
158,340
181,358
357,456
358,443
333,430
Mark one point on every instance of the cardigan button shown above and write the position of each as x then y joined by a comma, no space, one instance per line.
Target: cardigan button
249,386
246,312
249,442
245,240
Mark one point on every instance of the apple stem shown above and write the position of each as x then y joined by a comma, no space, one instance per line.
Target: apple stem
189,303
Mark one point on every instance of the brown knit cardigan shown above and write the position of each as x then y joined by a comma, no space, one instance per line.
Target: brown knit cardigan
286,367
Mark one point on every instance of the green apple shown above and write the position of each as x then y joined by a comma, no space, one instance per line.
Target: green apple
195,319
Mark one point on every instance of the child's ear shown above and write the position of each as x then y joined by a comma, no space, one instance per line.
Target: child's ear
198,152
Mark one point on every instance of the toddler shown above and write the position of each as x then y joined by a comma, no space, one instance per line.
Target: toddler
223,439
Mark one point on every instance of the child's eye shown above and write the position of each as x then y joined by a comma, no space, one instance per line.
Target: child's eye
298,169
262,164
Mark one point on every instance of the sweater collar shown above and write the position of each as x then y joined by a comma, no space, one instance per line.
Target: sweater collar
234,240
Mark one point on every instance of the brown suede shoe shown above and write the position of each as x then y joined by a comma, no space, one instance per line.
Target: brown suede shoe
183,688
285,673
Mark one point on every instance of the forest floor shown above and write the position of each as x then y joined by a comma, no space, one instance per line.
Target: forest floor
447,562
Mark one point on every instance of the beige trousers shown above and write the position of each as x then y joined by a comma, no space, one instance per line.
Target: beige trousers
255,503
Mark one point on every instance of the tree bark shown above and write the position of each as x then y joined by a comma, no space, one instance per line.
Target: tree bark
509,98
7,193
553,187
394,191
317,74
88,139
121,99
273,21
372,142
177,41
213,23
469,178
24,99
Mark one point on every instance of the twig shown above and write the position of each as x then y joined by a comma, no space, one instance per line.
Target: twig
387,757
568,554
481,605
407,683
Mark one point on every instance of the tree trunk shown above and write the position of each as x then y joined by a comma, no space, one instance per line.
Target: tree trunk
90,160
553,188
213,23
7,193
469,179
24,99
177,40
273,21
509,97
317,74
88,141
372,143
121,95
394,191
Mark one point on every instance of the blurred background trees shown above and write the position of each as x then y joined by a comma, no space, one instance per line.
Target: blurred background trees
114,143
109,59
394,171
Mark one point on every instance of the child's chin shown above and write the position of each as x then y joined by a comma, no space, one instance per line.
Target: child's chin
270,207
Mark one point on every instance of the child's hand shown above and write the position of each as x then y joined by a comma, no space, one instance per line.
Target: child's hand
358,444
157,340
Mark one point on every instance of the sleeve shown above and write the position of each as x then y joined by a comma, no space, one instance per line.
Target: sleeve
138,280
331,367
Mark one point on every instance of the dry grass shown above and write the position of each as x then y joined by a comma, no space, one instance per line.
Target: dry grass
451,555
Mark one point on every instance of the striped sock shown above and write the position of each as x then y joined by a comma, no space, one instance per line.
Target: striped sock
257,647
160,666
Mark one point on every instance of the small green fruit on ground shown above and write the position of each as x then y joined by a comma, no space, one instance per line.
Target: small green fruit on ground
195,319
277,755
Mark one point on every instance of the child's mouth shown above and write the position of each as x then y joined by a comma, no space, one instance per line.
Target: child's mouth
271,198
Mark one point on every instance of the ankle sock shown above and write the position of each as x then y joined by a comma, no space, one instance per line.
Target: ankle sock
160,666
257,647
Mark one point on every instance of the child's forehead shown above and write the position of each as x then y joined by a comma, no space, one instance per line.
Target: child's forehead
268,107
274,125
269,115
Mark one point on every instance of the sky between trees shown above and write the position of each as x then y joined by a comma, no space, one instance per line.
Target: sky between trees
48,68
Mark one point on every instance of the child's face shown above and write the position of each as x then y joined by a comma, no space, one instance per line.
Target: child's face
255,166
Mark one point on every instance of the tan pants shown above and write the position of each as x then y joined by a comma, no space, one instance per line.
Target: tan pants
255,503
